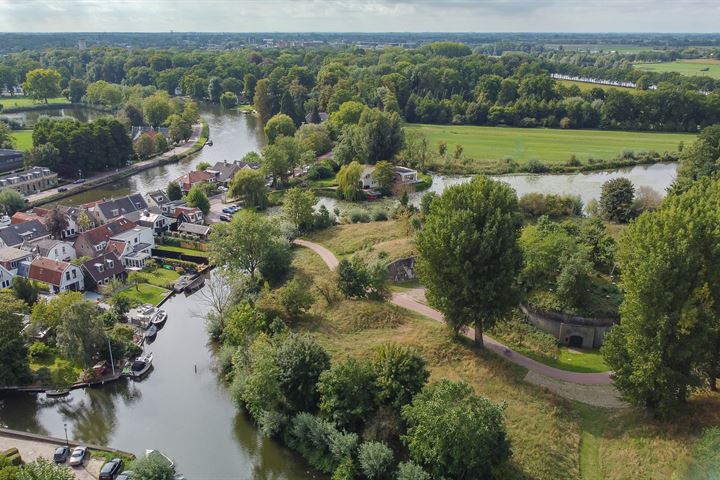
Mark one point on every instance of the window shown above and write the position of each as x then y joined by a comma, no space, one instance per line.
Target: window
67,275
74,273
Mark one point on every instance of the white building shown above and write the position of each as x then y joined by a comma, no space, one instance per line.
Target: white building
52,249
59,276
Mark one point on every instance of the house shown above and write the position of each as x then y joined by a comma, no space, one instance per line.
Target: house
104,268
201,231
136,132
6,277
33,180
60,276
15,235
133,247
52,249
224,172
72,218
156,199
93,242
323,117
11,258
10,159
193,178
157,222
22,217
405,176
367,178
189,215
108,210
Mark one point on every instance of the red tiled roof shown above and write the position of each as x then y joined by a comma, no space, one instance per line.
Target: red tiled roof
22,217
104,232
48,271
117,246
196,176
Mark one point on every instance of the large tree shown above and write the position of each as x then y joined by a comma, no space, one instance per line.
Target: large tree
196,198
157,108
81,333
11,201
42,83
617,200
298,208
469,255
250,185
455,433
13,353
279,125
263,100
174,191
348,180
700,159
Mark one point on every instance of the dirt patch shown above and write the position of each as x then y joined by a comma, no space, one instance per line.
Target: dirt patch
605,396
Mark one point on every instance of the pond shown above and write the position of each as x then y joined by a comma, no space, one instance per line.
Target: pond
186,414
84,114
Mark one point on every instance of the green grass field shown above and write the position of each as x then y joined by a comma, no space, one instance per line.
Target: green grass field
145,293
187,251
550,146
23,139
160,277
700,67
585,86
19,102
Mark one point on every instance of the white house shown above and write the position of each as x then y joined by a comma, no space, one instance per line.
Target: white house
52,249
133,247
6,277
403,175
157,222
60,276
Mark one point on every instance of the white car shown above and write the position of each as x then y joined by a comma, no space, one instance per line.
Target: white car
78,456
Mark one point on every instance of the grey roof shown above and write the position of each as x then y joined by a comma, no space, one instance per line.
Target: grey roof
8,254
159,197
131,203
92,267
194,228
45,245
14,235
140,247
225,171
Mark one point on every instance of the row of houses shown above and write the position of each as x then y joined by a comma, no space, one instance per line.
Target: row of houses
220,174
111,237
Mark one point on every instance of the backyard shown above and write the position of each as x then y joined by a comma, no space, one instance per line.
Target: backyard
23,139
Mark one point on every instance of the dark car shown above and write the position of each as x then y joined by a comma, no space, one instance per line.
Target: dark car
62,189
61,454
225,218
111,469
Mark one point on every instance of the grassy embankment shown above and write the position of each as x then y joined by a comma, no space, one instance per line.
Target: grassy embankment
702,67
552,438
12,103
23,139
489,149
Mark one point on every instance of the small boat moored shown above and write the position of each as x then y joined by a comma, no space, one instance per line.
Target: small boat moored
151,332
139,367
57,393
159,318
209,143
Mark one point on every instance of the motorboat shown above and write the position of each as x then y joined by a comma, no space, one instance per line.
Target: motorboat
159,318
209,143
151,332
57,393
139,367
5,220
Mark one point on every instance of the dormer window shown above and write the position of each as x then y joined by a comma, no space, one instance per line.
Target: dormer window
115,212
111,264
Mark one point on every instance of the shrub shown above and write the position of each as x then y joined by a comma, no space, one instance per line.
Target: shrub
322,219
410,471
322,445
536,166
358,216
38,352
272,423
380,216
616,199
345,471
319,171
300,361
400,373
296,298
376,460
538,204
347,393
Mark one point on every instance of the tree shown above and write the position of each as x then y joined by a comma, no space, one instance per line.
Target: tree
152,468
190,113
444,433
14,368
179,128
214,90
410,471
701,159
243,243
384,174
56,223
42,83
202,166
6,137
76,90
314,137
25,290
11,201
228,100
145,146
348,180
347,393
276,162
42,469
249,185
382,135
157,108
45,155
296,298
299,207
574,281
263,100
278,125
469,255
197,198
616,200
174,191
300,361
400,373
376,460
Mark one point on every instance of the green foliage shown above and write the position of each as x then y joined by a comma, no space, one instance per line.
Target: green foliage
616,200
13,353
574,280
179,128
152,468
314,137
39,352
700,159
410,471
11,201
258,377
42,83
376,460
469,255
42,469
384,173
276,162
455,433
174,191
706,456
80,332
263,100
400,373
228,100
157,108
250,185
322,445
298,208
554,206
347,393
26,290
296,298
275,262
279,125
198,199
300,361
356,279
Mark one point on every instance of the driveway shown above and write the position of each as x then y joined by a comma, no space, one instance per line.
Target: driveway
406,301
31,450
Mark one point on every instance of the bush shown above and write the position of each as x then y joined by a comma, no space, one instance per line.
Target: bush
272,423
358,280
358,216
376,460
537,204
275,265
296,298
410,471
322,445
39,352
380,216
319,171
322,219
347,393
536,166
400,374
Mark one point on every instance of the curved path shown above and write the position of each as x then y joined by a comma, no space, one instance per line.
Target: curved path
410,303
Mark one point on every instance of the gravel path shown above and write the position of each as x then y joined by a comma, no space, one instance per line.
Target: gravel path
411,303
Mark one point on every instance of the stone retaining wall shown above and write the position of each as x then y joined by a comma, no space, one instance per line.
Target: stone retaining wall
584,332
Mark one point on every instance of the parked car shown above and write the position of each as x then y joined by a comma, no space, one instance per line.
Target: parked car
79,180
62,189
61,454
78,456
126,475
225,218
228,210
111,469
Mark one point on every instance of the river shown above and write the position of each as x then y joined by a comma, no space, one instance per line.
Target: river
187,415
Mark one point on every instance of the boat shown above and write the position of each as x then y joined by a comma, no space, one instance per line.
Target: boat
57,393
143,315
209,143
151,332
139,367
159,318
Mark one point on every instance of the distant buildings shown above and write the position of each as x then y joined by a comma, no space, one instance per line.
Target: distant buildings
10,160
15,235
225,171
30,181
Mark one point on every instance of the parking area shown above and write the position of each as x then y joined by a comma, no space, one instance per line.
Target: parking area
31,450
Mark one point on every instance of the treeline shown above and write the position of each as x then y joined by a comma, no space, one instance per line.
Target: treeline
442,82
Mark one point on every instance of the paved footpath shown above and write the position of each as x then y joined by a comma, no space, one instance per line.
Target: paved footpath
410,303
31,450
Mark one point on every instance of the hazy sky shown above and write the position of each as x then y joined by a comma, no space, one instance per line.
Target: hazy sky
360,15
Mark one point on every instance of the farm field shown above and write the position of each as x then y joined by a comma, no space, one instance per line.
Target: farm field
699,67
487,145
23,139
17,102
585,86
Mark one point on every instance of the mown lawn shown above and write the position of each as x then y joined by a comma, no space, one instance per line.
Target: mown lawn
188,251
160,277
484,147
62,372
584,361
23,139
145,293
700,67
17,102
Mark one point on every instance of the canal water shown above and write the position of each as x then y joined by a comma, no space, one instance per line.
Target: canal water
185,414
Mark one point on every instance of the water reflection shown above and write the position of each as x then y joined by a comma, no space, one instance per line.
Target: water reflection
29,118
